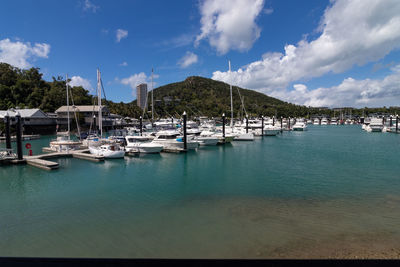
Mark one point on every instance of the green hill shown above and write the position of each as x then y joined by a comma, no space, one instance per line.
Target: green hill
206,97
25,88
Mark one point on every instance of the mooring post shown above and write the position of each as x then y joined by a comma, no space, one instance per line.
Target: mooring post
223,126
383,120
94,124
391,121
247,124
281,124
8,136
19,135
397,123
141,125
262,125
184,131
273,120
289,124
320,119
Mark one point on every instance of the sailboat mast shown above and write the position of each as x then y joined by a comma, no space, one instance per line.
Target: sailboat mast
152,99
230,87
99,103
66,83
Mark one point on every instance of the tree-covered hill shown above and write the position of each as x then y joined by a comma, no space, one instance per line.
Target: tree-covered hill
196,95
207,97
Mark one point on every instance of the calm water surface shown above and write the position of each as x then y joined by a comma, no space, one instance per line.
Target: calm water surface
244,200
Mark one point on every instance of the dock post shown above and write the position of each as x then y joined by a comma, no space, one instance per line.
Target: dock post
320,119
94,124
19,136
391,121
289,124
247,124
184,131
397,123
383,120
281,124
8,135
262,125
273,121
141,125
223,125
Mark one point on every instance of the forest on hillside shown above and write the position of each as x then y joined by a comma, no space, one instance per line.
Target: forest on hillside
198,96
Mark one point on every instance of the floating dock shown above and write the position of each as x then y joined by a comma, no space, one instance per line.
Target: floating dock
87,156
41,161
43,164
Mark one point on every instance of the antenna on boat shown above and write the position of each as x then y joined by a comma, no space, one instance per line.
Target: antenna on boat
99,102
66,83
152,99
230,88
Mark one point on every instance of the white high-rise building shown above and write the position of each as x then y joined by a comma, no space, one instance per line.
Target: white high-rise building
141,92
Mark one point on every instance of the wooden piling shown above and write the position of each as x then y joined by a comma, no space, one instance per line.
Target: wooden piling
223,125
184,131
19,136
141,125
8,135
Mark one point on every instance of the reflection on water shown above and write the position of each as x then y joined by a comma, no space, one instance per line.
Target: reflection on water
328,191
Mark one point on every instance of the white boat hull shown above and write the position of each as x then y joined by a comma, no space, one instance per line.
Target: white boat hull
207,141
244,137
145,148
107,154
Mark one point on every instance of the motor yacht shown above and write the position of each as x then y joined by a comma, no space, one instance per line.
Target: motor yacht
141,144
109,151
300,126
172,139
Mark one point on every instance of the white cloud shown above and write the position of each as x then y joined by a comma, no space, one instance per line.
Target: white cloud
268,11
188,59
89,6
19,54
136,79
79,81
350,92
121,34
124,64
230,24
353,33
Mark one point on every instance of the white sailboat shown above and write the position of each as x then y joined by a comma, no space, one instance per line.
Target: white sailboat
239,134
112,150
63,143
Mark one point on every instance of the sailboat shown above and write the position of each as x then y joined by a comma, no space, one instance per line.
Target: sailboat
63,143
108,150
239,133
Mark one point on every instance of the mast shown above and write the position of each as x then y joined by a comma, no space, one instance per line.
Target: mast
230,88
66,79
100,115
152,99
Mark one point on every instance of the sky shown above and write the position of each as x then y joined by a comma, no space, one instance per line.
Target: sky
317,53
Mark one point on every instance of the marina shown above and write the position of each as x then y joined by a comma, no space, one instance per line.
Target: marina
239,200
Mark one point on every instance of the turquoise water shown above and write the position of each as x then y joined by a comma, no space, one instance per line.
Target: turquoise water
298,191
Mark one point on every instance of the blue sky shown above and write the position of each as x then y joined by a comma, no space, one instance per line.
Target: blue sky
314,52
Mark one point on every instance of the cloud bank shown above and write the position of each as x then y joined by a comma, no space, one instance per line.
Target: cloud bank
79,81
230,24
352,32
188,59
19,54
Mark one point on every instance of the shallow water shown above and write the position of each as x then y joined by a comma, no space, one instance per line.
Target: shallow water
276,196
